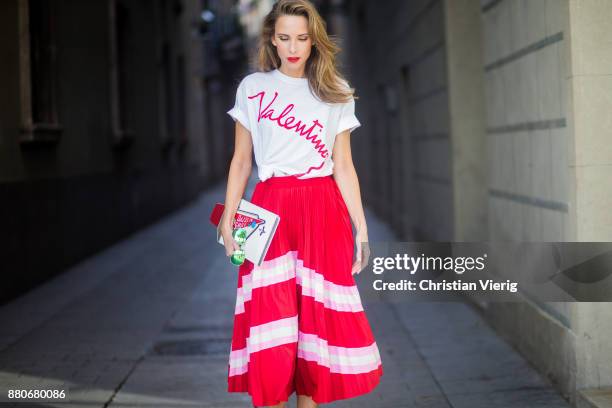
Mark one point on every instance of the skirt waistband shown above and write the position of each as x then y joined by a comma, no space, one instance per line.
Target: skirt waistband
294,181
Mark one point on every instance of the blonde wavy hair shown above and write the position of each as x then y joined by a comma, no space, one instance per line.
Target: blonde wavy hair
324,79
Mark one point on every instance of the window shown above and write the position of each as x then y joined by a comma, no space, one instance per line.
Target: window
120,37
38,72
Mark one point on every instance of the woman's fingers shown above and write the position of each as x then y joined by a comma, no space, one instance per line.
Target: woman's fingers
234,246
354,268
365,255
231,246
357,264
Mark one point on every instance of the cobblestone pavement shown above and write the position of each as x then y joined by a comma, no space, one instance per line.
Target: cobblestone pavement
147,323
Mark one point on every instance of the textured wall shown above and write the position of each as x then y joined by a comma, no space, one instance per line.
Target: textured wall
525,48
590,79
398,65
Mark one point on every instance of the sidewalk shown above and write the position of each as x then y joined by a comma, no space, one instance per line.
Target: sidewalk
148,323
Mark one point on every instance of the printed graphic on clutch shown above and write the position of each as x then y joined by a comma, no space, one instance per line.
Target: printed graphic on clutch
249,221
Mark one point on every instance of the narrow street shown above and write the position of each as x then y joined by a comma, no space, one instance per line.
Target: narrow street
147,323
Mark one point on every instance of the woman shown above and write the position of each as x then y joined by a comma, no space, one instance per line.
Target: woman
299,324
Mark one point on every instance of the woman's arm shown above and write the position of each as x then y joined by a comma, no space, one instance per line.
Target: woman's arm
346,178
348,184
239,172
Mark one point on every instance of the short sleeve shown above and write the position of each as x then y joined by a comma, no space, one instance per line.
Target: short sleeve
240,112
348,120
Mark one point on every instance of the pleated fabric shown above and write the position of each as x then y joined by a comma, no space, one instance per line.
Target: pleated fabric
299,324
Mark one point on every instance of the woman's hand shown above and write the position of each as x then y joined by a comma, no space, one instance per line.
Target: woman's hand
363,251
228,240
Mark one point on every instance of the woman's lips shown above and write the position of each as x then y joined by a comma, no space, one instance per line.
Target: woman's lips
293,59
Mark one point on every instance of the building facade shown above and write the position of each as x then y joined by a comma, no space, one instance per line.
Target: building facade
489,121
106,122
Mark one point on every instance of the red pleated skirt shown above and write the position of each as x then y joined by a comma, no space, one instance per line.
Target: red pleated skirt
299,324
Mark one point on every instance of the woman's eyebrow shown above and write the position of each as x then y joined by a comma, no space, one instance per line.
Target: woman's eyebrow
290,36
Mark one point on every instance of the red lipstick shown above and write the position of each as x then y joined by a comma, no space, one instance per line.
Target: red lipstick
293,59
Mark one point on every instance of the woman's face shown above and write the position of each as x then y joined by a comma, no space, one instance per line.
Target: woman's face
292,42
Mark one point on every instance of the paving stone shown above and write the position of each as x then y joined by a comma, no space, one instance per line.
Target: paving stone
532,398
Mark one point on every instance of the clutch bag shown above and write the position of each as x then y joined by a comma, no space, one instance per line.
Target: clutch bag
260,224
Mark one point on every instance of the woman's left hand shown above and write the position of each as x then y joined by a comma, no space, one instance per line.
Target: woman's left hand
363,251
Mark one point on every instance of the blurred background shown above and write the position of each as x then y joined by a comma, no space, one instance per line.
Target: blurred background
481,121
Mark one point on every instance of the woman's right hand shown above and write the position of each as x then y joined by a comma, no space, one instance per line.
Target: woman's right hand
228,240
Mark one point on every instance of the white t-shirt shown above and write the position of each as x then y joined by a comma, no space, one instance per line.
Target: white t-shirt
293,131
